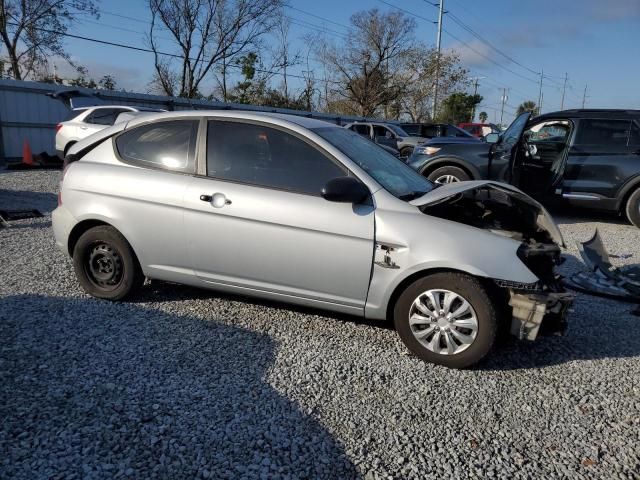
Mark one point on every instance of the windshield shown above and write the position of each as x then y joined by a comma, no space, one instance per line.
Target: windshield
393,174
453,131
398,131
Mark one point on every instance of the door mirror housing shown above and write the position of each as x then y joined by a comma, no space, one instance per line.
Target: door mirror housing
345,190
492,137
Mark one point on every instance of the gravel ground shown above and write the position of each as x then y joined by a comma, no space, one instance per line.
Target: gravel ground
188,383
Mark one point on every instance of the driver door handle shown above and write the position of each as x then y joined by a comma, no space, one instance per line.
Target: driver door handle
217,200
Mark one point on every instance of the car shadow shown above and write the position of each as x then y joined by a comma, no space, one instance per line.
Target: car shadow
97,389
157,290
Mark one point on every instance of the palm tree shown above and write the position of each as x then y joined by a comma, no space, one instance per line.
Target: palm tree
528,106
483,116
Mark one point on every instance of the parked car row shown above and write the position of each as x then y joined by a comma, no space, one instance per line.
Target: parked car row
297,210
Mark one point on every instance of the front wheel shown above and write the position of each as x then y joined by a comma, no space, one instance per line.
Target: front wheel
633,208
445,175
105,264
406,152
447,318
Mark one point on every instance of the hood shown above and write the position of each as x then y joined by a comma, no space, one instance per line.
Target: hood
414,140
494,206
448,140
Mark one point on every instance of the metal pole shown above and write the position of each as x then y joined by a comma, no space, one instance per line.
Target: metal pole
475,92
504,99
438,40
564,89
540,94
584,96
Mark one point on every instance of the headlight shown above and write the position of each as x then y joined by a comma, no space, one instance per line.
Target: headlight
427,150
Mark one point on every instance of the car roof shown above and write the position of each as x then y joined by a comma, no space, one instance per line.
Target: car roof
591,113
281,118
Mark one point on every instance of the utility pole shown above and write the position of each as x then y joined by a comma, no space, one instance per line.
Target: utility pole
504,99
540,94
564,89
584,96
475,92
438,40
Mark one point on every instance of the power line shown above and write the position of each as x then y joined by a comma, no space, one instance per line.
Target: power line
318,17
408,12
166,54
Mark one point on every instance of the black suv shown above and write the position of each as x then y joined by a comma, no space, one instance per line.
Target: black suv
588,158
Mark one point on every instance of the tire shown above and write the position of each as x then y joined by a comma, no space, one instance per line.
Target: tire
480,337
106,265
448,175
632,209
406,152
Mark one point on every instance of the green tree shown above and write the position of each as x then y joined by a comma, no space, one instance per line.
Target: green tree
107,82
457,108
483,116
528,106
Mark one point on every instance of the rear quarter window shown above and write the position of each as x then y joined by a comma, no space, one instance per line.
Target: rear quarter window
603,132
169,145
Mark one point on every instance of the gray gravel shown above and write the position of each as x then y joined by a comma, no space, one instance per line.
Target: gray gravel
190,383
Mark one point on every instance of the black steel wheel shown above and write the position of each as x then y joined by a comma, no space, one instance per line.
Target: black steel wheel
105,264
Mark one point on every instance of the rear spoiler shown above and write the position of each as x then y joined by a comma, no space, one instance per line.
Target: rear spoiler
84,146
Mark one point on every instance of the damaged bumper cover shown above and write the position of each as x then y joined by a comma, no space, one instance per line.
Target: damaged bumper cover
541,312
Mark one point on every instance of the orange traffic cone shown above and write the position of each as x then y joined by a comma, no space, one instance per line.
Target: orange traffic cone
27,156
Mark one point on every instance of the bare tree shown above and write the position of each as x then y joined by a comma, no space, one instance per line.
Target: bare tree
32,31
418,76
365,64
206,32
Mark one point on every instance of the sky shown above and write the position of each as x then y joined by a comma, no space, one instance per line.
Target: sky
504,43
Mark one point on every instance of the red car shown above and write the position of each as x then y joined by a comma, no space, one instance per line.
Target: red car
479,129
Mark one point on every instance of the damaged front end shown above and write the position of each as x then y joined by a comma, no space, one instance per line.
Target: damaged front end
537,308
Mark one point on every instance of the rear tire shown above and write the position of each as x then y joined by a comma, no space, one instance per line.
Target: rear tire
460,336
632,209
448,174
106,265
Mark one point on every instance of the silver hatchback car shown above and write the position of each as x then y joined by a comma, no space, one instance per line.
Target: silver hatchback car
301,211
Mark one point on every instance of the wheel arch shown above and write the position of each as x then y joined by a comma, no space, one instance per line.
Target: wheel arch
469,169
85,225
401,287
626,191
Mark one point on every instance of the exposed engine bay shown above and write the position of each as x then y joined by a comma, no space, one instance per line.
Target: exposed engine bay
506,211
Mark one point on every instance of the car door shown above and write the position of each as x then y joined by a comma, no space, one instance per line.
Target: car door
384,136
503,163
541,156
604,155
257,220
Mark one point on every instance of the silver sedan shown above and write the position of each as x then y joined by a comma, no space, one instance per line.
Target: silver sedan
301,211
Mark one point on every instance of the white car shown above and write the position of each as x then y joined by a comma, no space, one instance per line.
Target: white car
86,121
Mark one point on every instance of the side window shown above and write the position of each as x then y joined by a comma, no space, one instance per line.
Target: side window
264,156
431,131
103,116
634,138
168,145
380,131
361,129
603,132
553,131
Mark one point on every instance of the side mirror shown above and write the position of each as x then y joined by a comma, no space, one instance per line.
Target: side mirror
345,190
492,137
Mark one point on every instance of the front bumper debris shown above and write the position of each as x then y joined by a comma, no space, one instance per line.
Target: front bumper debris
535,313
